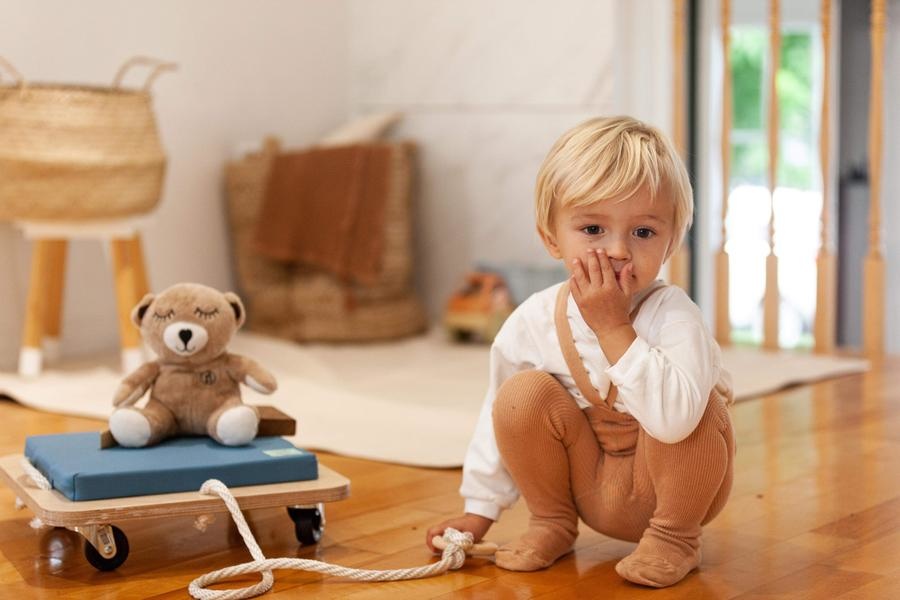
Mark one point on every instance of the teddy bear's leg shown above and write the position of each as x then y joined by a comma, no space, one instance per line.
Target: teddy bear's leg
233,423
138,427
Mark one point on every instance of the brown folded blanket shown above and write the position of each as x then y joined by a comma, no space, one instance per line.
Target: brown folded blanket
325,207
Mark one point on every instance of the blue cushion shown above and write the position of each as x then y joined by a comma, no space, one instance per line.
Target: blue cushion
80,470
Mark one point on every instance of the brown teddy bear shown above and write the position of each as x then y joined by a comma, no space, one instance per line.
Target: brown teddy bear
194,384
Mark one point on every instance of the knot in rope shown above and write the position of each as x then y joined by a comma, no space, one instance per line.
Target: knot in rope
458,543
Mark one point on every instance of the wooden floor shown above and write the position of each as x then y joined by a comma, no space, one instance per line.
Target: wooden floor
815,513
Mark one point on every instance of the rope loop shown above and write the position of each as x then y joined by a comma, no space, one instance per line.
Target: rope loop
453,557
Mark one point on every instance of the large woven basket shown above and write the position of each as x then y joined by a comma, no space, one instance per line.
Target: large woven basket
70,152
305,304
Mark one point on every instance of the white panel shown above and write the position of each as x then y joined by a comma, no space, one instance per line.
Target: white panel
476,53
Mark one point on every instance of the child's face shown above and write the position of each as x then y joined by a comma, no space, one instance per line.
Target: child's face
637,230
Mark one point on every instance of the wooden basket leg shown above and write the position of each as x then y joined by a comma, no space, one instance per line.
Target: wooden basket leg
53,302
31,356
142,284
126,274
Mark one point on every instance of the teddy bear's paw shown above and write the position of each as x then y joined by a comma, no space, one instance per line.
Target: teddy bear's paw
129,427
237,426
266,387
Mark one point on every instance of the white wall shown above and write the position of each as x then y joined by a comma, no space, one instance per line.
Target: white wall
486,87
246,69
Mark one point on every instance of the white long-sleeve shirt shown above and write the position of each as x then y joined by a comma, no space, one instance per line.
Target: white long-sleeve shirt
664,379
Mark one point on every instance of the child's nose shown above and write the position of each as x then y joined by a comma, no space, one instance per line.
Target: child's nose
618,250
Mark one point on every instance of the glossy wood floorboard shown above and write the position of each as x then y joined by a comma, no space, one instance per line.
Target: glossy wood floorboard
815,513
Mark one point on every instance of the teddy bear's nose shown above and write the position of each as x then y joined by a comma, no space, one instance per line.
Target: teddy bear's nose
185,335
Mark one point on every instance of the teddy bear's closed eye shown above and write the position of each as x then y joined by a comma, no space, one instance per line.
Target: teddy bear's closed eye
206,314
165,316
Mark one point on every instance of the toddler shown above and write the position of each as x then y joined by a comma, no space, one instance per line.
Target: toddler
607,395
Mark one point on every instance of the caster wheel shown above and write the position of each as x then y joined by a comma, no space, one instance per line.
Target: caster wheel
100,562
308,524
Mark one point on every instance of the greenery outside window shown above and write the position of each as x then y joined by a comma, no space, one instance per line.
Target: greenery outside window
798,195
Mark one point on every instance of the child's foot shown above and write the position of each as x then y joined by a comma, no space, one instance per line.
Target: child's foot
538,548
658,561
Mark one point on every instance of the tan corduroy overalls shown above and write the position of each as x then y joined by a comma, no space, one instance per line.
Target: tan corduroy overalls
600,465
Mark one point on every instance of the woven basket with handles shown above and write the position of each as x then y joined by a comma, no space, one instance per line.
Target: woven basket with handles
71,152
306,304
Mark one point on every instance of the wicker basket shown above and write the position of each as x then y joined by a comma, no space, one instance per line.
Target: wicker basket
71,152
303,304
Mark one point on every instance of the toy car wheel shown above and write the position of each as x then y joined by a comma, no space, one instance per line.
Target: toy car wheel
461,335
100,562
308,524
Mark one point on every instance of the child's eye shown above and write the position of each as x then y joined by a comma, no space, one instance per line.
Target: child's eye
592,229
163,317
206,314
644,232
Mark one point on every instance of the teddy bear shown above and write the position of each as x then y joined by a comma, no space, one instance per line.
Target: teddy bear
194,383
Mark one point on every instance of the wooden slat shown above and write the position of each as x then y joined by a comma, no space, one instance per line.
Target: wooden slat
873,266
272,422
826,265
723,318
770,300
680,261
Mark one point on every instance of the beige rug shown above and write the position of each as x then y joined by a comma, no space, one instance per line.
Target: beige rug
412,402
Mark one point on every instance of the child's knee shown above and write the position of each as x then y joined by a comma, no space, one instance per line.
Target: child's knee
532,399
525,392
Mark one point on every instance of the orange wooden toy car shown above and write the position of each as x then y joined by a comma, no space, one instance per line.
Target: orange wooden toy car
478,310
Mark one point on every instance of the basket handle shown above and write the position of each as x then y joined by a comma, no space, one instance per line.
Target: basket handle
158,67
20,81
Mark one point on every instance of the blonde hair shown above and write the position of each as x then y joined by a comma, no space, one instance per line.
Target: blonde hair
612,158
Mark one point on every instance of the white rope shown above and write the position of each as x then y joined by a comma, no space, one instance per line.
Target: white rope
40,481
36,476
453,557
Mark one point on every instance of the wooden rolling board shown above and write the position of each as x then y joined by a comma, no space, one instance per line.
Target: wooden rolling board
55,509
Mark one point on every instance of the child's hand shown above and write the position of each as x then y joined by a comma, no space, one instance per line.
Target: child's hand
474,524
602,299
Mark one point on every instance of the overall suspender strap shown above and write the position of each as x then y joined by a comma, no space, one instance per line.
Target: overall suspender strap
570,353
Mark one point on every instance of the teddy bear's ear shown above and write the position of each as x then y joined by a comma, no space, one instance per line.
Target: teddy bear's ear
137,313
237,306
